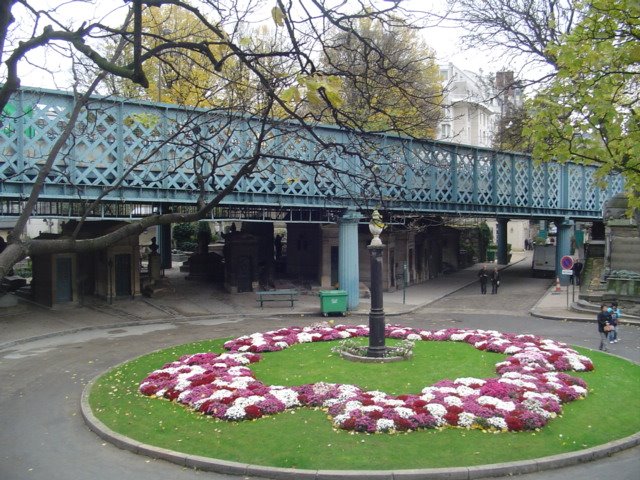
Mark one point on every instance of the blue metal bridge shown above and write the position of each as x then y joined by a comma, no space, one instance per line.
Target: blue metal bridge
137,156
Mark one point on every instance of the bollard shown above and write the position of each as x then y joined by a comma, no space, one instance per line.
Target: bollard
558,289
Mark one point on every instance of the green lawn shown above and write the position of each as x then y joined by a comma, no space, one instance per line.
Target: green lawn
304,438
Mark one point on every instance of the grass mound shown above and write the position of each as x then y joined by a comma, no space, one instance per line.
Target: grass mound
304,438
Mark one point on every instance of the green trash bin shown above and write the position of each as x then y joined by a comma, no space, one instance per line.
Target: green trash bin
491,255
333,301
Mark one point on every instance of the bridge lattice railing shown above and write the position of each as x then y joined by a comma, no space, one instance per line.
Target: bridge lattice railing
141,152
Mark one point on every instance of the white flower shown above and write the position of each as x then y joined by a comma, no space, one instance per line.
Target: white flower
576,362
399,332
338,420
183,378
246,401
446,389
372,408
519,383
425,334
538,395
404,412
459,337
466,419
579,390
464,391
536,407
235,412
257,339
496,402
497,422
451,400
427,397
347,391
377,395
237,383
384,425
352,405
436,409
470,381
305,337
239,371
220,394
512,349
286,395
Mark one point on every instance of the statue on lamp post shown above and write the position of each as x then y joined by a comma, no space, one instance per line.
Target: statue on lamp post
376,315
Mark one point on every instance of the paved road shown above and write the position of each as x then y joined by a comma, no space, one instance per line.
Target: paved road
43,437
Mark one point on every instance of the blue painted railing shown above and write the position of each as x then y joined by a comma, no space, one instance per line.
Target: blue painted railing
159,153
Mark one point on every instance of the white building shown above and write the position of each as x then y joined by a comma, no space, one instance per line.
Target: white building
474,105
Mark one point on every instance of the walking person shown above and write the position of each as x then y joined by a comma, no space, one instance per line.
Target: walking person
484,276
615,313
495,280
604,325
577,270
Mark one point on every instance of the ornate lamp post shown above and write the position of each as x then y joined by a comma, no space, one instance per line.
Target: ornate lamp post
376,315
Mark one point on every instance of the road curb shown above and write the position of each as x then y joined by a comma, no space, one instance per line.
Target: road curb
454,473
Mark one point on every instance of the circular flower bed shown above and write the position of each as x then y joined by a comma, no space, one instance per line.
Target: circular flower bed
528,392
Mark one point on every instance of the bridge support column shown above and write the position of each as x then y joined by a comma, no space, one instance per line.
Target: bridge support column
563,246
501,239
164,240
348,265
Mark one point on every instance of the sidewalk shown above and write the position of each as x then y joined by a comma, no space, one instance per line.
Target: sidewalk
186,300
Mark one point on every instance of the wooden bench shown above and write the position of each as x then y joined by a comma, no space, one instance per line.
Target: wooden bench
277,296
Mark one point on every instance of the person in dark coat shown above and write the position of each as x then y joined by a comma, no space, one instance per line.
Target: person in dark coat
277,243
604,319
615,313
577,270
484,276
495,280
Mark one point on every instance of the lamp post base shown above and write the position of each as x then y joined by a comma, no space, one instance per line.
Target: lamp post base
376,352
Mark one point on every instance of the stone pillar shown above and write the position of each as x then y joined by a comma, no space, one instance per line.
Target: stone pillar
154,261
501,240
154,266
563,246
164,239
348,268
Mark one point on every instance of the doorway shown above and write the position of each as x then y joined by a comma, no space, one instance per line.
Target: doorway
245,274
122,273
335,263
64,279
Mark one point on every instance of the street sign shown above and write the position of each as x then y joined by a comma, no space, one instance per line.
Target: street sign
567,272
566,263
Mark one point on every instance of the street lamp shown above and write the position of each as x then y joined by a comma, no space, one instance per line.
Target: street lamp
376,315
